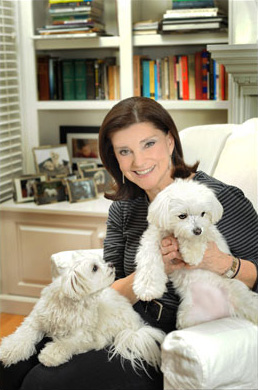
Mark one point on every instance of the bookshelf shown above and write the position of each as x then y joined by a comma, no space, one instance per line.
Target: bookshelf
45,117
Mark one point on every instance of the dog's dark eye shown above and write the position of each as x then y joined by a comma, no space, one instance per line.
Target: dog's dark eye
95,268
203,214
182,216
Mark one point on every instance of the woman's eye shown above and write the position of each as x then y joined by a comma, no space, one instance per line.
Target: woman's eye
95,268
203,214
182,216
149,144
124,152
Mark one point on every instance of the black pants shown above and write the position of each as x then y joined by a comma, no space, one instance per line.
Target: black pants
88,371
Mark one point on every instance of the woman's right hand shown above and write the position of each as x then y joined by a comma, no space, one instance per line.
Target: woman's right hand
171,255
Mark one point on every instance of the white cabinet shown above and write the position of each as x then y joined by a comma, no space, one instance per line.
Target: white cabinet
30,234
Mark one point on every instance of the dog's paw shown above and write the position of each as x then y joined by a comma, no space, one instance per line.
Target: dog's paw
13,350
53,355
150,289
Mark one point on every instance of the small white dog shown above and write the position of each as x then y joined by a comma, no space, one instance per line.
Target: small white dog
189,210
80,312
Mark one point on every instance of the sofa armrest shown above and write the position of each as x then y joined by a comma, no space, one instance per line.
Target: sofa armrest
220,354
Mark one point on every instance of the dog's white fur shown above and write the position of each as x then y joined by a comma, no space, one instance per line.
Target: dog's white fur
80,312
189,210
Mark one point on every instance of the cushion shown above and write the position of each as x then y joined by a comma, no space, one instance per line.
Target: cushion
61,260
204,143
238,163
220,354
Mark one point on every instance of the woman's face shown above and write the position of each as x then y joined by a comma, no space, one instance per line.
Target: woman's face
144,156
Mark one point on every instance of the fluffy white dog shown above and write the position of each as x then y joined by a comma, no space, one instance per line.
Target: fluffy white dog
189,210
80,312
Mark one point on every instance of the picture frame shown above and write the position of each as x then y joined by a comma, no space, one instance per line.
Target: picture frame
81,190
65,130
101,177
52,160
47,192
83,147
84,166
23,187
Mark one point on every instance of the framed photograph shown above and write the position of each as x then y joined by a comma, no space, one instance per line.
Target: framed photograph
65,130
24,187
49,192
83,147
81,190
52,160
101,177
84,166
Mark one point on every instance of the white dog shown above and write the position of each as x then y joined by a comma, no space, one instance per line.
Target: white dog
189,210
80,312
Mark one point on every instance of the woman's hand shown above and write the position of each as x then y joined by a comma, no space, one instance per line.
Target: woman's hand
171,255
213,260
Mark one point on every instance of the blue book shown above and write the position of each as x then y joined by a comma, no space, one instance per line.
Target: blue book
145,78
156,81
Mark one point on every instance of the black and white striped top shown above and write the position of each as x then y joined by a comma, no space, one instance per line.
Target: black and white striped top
127,222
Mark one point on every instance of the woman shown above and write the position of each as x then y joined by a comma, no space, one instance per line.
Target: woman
140,147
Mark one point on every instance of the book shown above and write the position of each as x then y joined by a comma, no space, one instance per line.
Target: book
53,79
68,80
184,77
171,75
192,26
111,82
156,81
191,13
43,77
181,4
90,79
205,67
191,76
212,79
152,79
145,78
80,79
198,75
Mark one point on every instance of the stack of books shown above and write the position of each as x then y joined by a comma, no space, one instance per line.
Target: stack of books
77,79
147,27
180,77
188,15
75,17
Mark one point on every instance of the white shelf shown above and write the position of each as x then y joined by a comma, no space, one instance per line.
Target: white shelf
108,104
202,38
74,41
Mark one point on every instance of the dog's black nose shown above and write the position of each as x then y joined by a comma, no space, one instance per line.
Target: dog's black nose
197,231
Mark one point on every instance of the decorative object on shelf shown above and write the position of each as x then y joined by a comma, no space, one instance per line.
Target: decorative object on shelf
75,17
52,191
81,190
24,187
101,177
83,147
84,166
52,160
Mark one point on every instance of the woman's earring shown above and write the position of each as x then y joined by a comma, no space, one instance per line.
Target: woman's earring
123,178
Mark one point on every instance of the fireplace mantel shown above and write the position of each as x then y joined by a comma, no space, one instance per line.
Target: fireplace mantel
241,63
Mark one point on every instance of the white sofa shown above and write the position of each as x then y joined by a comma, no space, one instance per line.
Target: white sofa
220,354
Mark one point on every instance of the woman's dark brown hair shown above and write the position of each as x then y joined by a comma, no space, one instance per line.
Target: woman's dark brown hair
124,114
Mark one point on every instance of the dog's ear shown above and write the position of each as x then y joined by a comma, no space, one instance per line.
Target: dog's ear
215,210
74,283
159,211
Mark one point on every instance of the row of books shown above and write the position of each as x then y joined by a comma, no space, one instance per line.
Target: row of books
74,17
180,77
77,79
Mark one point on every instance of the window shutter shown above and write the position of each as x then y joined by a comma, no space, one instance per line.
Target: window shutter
10,121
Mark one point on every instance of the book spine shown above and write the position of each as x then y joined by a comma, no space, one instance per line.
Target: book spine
204,56
43,78
172,91
152,80
191,76
184,73
137,75
90,79
80,79
159,77
156,82
193,4
68,80
198,76
111,82
146,78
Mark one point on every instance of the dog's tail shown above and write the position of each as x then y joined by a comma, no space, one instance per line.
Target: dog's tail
139,346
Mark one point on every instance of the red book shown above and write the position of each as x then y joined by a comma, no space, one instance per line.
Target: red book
221,82
184,77
198,76
43,77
